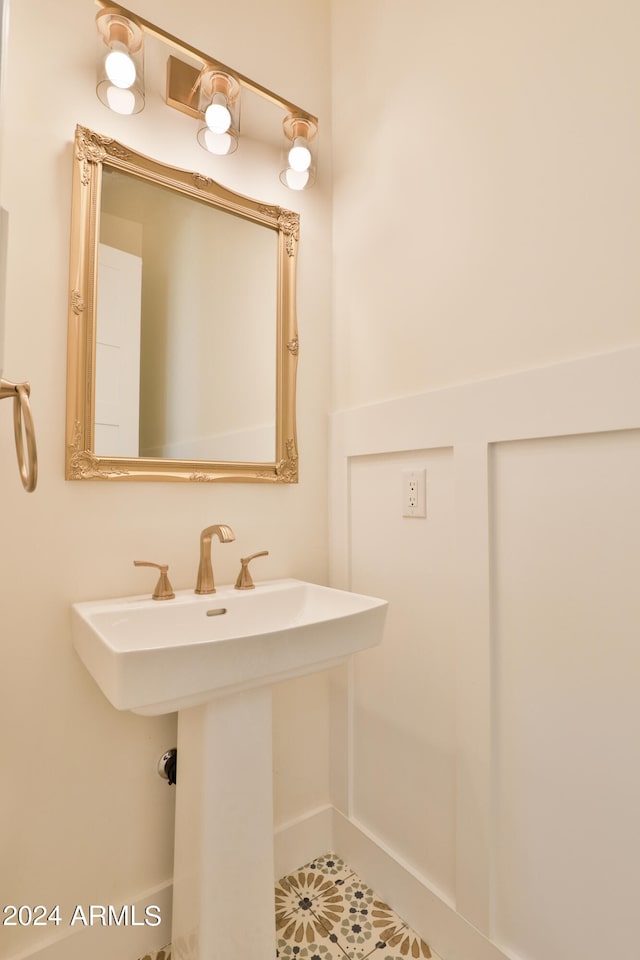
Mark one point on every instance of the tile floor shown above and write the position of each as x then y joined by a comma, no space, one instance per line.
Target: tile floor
164,954
324,911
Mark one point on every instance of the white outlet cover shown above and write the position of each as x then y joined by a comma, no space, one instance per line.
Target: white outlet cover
414,493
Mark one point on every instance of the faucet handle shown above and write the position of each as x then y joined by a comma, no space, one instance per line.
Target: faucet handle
245,581
163,590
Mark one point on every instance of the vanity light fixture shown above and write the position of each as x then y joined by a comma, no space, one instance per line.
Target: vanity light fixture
209,93
121,63
299,171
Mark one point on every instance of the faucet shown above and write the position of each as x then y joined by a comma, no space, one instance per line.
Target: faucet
204,583
245,580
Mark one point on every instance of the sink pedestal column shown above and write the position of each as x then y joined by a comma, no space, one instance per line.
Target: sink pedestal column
223,899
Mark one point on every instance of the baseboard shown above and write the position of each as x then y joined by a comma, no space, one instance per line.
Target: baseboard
446,931
298,841
111,942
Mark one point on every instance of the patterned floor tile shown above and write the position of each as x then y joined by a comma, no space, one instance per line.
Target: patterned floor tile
356,919
332,867
405,943
311,951
305,928
361,903
300,890
301,926
164,954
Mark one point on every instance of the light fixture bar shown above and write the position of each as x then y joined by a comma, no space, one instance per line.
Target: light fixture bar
182,92
176,95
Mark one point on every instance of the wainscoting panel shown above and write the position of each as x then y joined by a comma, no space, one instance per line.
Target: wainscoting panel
488,744
404,690
566,565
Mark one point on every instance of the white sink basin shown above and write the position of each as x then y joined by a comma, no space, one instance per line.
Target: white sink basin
156,657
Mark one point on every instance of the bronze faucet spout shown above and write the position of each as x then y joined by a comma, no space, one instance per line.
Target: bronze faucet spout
204,582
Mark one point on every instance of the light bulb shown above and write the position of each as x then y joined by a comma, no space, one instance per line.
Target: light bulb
217,115
296,179
121,101
219,143
299,155
120,69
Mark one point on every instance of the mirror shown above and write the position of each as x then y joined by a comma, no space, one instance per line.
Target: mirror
182,350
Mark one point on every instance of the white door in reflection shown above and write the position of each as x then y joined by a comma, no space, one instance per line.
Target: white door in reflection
207,323
117,389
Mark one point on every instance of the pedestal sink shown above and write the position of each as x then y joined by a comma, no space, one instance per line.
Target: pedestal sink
214,659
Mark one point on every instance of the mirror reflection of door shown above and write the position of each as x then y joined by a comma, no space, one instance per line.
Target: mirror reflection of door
118,353
206,328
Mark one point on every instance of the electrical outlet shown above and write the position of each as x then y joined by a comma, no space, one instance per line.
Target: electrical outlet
414,498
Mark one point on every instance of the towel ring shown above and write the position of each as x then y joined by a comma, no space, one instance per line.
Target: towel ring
23,429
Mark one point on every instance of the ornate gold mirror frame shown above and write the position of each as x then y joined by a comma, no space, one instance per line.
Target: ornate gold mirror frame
93,152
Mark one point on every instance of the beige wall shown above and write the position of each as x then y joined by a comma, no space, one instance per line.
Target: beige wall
487,207
84,816
486,222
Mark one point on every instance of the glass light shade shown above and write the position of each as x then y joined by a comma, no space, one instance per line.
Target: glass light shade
220,144
295,179
120,101
219,105
299,160
120,84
